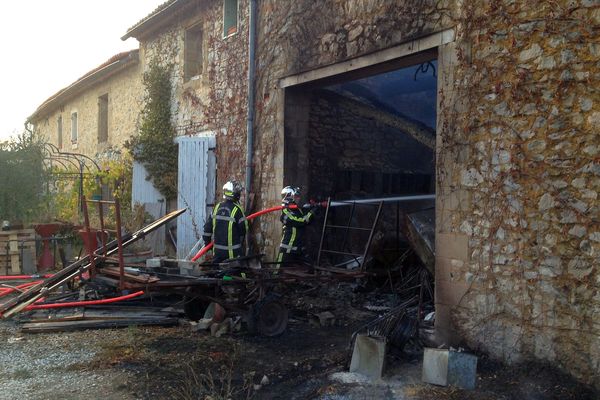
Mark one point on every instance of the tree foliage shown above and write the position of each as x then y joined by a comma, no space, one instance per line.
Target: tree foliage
23,179
154,146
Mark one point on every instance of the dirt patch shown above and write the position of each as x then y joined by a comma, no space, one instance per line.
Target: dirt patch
306,362
179,363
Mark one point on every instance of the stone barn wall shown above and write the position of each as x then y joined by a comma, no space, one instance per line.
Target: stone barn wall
518,169
518,241
518,164
352,153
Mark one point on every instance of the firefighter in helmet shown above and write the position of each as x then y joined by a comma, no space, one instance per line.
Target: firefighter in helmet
227,225
294,219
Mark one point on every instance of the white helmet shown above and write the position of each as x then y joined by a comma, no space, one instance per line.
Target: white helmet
290,194
232,190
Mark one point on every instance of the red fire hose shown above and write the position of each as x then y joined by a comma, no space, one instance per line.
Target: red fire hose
209,246
84,303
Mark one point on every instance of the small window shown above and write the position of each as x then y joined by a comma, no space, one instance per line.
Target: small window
193,52
74,127
103,118
59,129
230,17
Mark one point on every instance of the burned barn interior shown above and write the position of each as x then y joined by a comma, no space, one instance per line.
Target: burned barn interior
369,135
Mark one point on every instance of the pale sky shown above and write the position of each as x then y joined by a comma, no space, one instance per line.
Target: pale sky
47,44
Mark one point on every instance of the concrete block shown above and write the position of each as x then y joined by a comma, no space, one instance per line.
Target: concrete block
153,263
368,356
185,267
448,367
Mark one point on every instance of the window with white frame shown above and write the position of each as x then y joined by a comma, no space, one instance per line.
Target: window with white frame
74,127
230,17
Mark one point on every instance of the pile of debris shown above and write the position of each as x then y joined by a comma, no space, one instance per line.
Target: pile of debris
76,297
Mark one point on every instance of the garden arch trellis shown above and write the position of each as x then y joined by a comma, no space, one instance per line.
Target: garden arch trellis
84,166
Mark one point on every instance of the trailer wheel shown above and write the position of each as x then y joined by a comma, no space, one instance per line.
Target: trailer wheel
269,317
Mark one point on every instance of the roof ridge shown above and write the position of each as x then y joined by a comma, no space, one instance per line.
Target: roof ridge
114,59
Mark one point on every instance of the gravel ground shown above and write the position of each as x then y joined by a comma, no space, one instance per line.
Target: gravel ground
52,366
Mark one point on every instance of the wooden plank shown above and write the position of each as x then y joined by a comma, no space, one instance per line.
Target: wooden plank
80,314
341,271
297,273
94,324
15,264
13,243
116,314
141,278
21,242
28,232
63,314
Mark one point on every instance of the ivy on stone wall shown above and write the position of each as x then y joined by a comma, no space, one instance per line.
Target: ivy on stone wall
154,147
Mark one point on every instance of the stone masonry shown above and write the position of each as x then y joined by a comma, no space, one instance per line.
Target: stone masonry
518,168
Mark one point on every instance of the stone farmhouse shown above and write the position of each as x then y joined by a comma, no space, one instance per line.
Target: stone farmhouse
98,112
491,106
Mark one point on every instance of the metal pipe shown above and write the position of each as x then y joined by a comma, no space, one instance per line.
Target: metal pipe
251,95
119,245
208,246
383,199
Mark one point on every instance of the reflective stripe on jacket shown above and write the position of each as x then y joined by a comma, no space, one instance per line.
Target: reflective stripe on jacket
226,227
294,221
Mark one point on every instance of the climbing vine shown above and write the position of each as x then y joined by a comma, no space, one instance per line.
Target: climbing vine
154,147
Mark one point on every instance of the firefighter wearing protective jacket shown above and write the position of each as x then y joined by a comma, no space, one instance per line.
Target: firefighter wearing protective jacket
227,225
294,221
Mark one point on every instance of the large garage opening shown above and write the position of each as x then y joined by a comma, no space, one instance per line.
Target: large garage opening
368,134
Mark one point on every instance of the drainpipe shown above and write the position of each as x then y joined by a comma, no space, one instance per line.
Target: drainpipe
251,95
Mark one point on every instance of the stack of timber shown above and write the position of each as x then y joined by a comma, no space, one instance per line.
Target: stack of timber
16,246
96,317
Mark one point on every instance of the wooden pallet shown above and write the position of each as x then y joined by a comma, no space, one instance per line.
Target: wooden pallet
13,246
